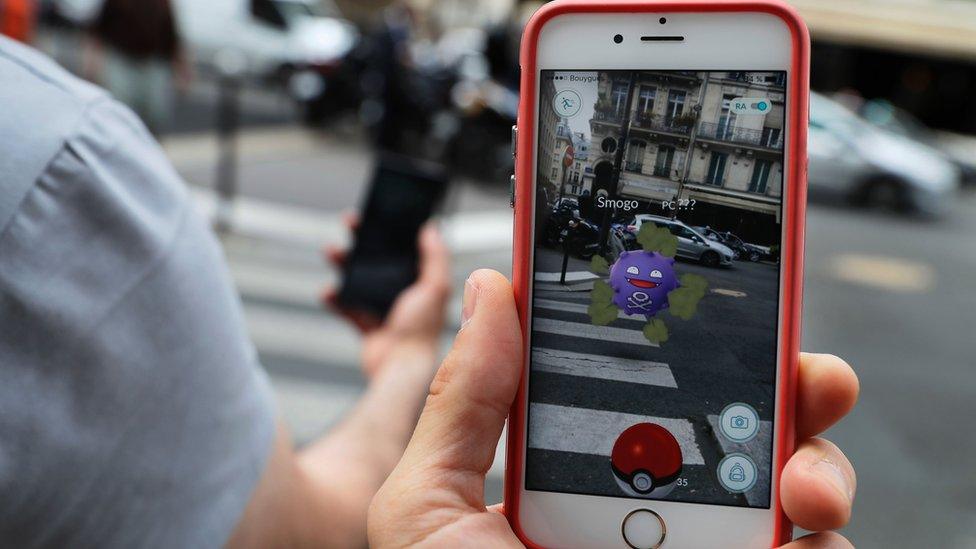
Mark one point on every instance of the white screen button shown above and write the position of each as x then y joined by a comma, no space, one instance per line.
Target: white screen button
644,529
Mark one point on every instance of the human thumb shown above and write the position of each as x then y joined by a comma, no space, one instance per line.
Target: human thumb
454,443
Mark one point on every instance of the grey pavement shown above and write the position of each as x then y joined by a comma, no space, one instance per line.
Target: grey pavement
895,296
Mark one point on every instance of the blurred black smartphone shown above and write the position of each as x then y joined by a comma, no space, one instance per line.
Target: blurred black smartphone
403,195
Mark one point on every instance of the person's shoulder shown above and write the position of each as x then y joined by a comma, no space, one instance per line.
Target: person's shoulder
43,105
37,90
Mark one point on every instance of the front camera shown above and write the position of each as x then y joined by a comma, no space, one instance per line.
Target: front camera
618,38
663,20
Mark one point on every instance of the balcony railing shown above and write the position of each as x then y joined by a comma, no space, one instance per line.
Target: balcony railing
635,167
608,115
740,136
659,124
663,171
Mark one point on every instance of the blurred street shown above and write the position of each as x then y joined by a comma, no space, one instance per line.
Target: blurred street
890,290
892,295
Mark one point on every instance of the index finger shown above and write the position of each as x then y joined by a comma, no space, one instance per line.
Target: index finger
827,390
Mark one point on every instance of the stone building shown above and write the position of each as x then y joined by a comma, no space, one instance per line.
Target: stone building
735,172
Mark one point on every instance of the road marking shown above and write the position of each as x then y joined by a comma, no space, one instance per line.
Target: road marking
572,307
729,293
585,431
308,338
554,305
464,232
643,372
571,276
886,273
589,331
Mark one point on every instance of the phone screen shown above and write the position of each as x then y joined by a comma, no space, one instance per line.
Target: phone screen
384,260
656,284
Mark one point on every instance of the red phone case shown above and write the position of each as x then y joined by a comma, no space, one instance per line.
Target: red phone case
794,216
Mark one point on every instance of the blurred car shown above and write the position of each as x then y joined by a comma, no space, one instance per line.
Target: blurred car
885,115
691,243
741,248
870,166
300,42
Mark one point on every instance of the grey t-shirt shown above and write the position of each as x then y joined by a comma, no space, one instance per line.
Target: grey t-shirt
133,410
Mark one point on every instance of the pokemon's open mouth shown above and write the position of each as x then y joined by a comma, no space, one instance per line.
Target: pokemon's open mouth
642,283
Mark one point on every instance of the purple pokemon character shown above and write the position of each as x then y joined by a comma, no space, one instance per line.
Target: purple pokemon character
641,282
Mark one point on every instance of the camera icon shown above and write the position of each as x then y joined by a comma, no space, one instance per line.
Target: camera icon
738,422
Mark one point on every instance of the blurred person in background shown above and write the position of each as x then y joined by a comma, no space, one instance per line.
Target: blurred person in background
17,19
136,53
133,409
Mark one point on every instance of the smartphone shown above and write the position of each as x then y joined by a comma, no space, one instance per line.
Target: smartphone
656,407
403,195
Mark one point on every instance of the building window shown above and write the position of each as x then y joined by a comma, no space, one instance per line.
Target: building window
665,158
635,156
676,103
770,137
620,97
646,99
716,168
760,176
609,145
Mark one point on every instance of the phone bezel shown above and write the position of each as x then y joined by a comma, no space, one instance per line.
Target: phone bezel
554,519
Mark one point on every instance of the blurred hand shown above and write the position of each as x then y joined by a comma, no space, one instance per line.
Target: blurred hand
417,317
435,495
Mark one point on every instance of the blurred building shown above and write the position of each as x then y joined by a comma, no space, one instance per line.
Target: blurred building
549,121
735,169
580,177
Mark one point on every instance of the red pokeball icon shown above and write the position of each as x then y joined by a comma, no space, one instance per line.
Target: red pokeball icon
646,460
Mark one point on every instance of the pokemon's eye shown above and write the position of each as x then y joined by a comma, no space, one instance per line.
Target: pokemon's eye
633,271
656,274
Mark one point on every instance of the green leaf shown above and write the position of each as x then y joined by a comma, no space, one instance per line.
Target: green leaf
602,310
694,281
601,315
657,239
599,265
602,293
683,302
656,331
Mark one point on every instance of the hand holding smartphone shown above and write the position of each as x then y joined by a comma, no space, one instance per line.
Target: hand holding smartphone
403,195
656,407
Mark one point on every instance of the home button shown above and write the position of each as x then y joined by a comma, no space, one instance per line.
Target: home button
643,529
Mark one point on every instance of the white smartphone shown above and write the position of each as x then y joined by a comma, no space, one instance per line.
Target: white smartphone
659,214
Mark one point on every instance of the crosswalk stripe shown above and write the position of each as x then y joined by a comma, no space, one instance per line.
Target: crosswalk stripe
586,431
573,307
306,337
571,276
565,306
589,331
464,232
618,369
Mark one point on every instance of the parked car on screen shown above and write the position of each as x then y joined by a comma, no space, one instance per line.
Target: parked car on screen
741,248
855,160
691,243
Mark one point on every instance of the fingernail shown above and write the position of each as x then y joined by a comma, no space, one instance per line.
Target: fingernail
468,302
830,471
